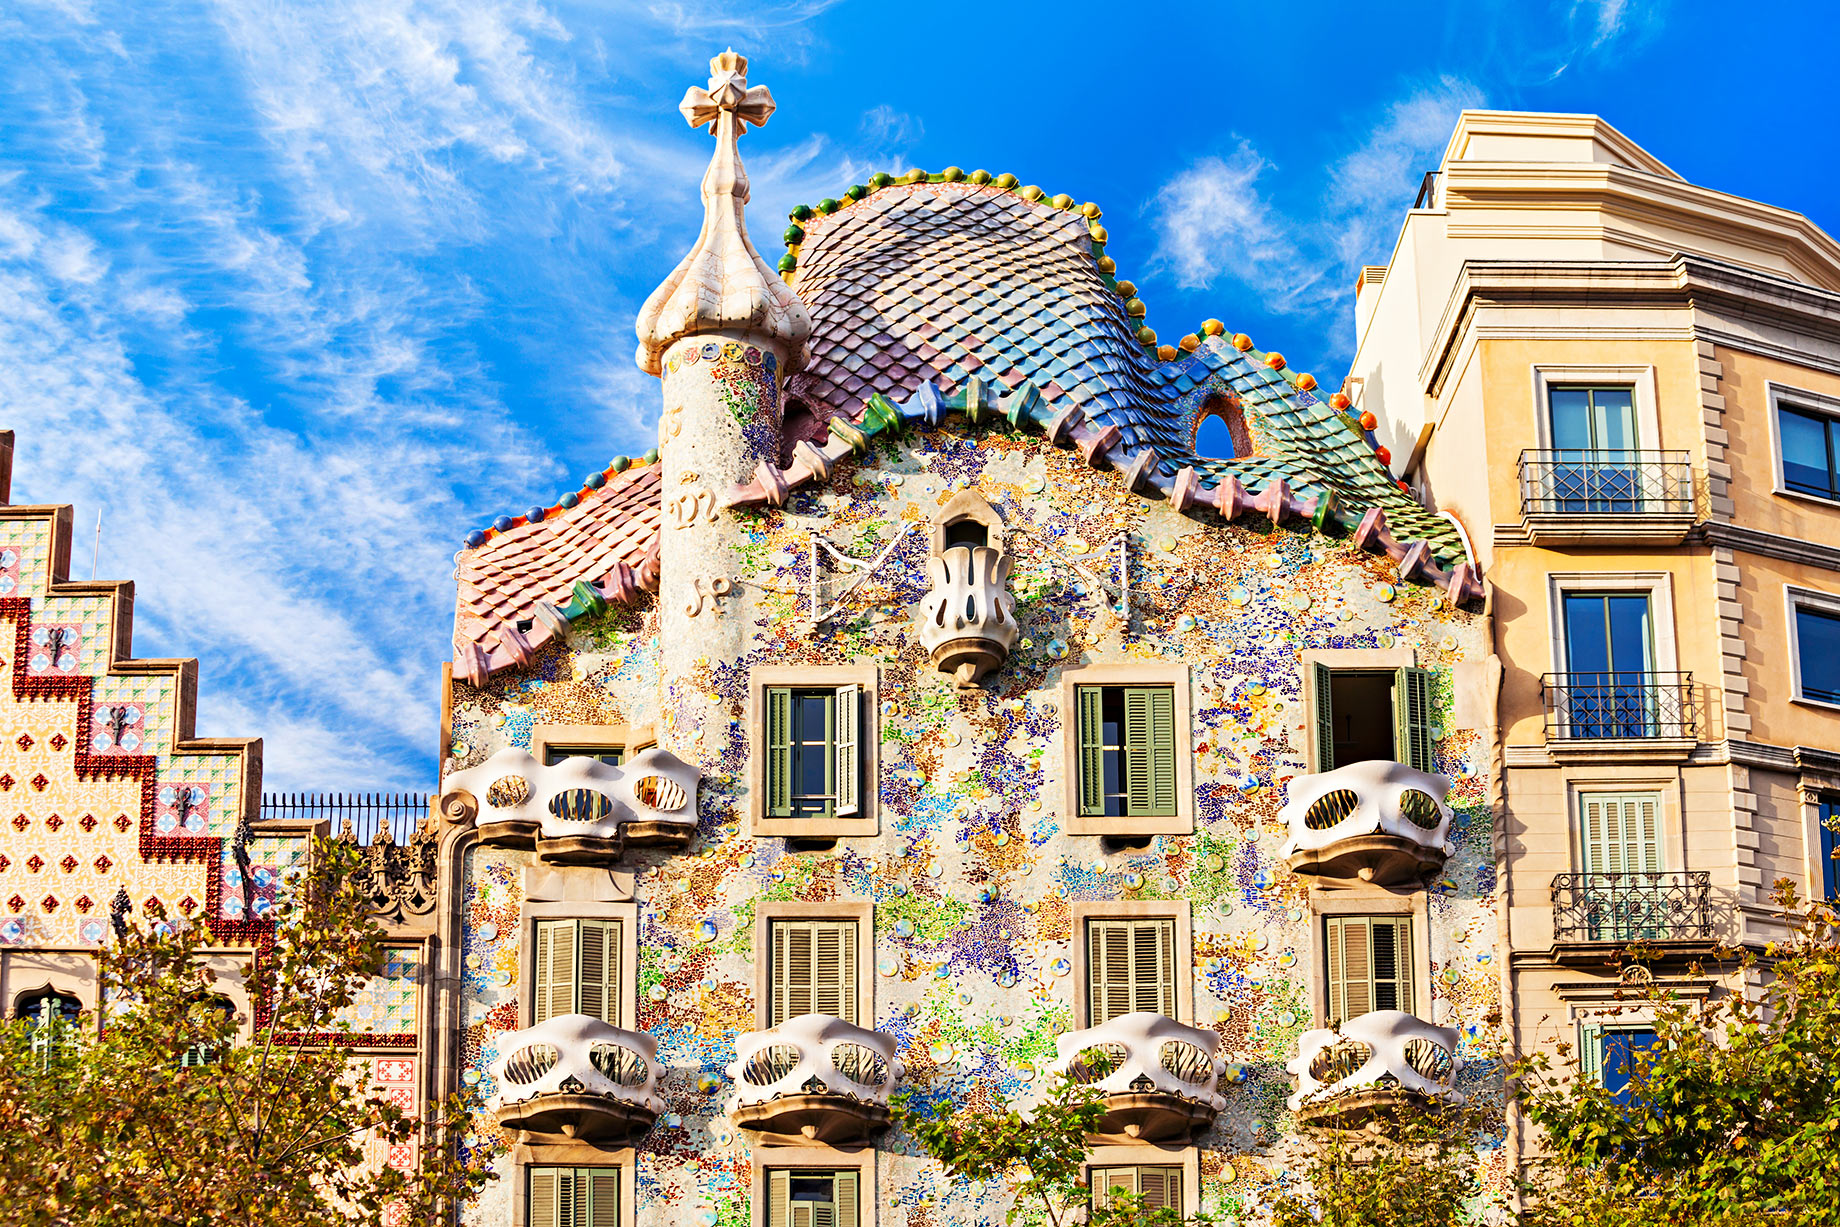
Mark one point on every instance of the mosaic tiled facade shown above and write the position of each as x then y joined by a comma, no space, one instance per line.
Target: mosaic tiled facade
953,342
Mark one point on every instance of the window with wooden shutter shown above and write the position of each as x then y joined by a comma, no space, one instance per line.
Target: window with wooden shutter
1412,707
1323,686
801,1198
779,751
813,969
847,770
814,752
573,1197
578,970
1127,751
1622,832
1160,1187
1091,701
1369,965
1130,967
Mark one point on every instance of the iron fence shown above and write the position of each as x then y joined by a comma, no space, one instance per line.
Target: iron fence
1577,482
1669,905
1618,705
366,811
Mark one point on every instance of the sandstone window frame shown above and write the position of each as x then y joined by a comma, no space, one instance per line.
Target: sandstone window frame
1128,674
1376,902
1780,396
866,822
770,911
627,739
528,1155
1178,910
1146,1154
815,1158
625,914
1639,378
1796,598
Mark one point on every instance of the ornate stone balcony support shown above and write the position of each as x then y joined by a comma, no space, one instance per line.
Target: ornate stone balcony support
1157,1077
578,811
1379,821
1371,1066
578,1077
968,618
813,1078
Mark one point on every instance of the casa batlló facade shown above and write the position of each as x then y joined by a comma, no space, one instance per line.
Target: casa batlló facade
924,716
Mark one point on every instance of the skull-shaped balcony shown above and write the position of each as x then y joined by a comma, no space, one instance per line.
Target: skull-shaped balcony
1155,1076
813,1078
578,811
1371,1067
577,1077
968,617
1378,821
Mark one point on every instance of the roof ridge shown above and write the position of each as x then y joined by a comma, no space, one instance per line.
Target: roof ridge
569,500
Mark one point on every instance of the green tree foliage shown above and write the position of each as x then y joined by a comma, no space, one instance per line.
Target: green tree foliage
1418,1167
171,1114
1039,1154
1733,1118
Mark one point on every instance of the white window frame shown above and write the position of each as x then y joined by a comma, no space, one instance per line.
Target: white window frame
1795,597
1668,814
1778,395
1659,585
1641,379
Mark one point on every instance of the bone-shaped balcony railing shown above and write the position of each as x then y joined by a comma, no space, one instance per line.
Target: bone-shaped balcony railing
806,1063
577,809
1386,1051
1377,820
967,619
1136,1059
576,1075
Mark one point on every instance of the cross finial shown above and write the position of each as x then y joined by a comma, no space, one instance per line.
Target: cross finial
728,91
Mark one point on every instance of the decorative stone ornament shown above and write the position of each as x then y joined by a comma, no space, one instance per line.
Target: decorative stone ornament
967,619
578,1077
1372,1065
579,811
1157,1077
1378,821
813,1078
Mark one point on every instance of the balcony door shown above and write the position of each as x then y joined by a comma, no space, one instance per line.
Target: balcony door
1621,840
1594,450
1610,665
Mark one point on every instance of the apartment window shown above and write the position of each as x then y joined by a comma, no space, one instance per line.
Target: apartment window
202,1053
1364,714
1810,451
1594,441
577,969
1127,760
1817,650
1830,848
1370,965
813,764
1130,967
1160,1187
812,965
42,1009
574,1197
798,1197
613,756
1610,688
1621,832
1609,1056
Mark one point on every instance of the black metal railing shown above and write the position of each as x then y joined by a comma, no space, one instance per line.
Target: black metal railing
1672,905
1618,706
1577,482
366,811
1427,191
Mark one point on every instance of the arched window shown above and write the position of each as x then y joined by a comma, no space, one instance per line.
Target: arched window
1220,429
50,1014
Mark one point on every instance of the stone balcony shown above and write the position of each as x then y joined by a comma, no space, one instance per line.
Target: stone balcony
1372,1066
967,619
1156,1077
1378,821
578,811
577,1077
814,1078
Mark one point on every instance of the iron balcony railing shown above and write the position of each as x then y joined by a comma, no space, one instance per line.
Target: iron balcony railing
1427,191
1672,905
1618,706
1576,482
366,811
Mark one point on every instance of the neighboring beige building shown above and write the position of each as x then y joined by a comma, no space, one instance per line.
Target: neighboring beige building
1627,389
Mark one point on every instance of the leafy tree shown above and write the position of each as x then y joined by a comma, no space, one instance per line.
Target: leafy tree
1732,1119
1040,1153
171,1116
1417,1168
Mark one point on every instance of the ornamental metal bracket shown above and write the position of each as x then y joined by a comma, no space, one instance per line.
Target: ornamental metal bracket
866,566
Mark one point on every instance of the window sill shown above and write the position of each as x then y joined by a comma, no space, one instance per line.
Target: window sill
1802,700
1820,500
1621,750
861,826
1100,824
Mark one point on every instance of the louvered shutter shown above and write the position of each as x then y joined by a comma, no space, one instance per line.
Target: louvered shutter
834,970
1391,964
1643,814
847,757
1091,718
1412,744
845,1195
1591,1052
556,954
544,1205
1622,832
814,969
1130,965
779,1199
1350,993
571,1198
1150,751
1325,718
599,970
779,751
603,1185
1597,850
1160,1187
1104,1180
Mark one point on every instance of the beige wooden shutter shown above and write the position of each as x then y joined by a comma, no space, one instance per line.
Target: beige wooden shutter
1108,969
544,1209
834,970
556,955
779,1199
1160,1187
598,966
1103,1180
1351,993
603,1186
1391,962
814,969
1622,832
845,747
1153,966
846,1199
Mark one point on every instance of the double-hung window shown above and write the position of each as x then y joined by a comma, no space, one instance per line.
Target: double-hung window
799,1197
813,744
812,969
1130,967
578,969
1370,965
1159,1187
1609,1056
574,1197
1810,451
1815,632
1364,714
1127,751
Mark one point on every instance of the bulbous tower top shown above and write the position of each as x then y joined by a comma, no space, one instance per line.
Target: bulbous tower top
723,285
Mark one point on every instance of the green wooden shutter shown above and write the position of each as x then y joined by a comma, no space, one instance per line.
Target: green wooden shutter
779,751
846,755
846,1198
1321,679
556,954
1150,751
544,1206
598,970
779,1199
603,1186
1412,743
1091,719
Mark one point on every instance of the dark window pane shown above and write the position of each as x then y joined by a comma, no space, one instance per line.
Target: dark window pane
1817,642
1587,639
1806,460
1619,1049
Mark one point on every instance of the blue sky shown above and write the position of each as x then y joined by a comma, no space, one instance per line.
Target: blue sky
296,294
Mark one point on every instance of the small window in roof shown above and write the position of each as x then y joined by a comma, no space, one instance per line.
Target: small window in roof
966,531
